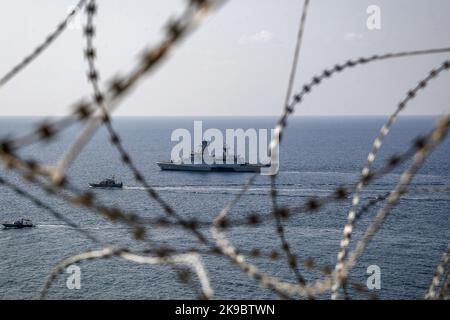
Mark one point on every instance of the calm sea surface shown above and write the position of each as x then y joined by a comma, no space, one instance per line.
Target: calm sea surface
317,156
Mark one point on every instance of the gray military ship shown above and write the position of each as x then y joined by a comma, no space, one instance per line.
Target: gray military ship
203,161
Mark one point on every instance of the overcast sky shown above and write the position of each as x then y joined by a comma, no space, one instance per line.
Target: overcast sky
237,63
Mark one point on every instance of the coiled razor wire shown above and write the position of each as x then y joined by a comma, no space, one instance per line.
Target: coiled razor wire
95,111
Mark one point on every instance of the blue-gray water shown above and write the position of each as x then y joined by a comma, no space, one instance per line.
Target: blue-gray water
317,155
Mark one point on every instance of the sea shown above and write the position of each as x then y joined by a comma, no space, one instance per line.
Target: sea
317,155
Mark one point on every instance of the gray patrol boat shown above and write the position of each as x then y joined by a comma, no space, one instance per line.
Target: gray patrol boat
19,224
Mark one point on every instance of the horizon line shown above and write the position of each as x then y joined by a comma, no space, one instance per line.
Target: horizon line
225,116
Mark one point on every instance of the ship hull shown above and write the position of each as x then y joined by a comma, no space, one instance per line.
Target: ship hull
210,167
100,186
15,226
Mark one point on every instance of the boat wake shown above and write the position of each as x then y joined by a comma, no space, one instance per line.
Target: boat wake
287,191
51,226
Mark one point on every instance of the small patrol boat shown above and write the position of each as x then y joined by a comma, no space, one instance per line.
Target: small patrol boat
109,183
19,224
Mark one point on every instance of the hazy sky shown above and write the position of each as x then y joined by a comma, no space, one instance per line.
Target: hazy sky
237,63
